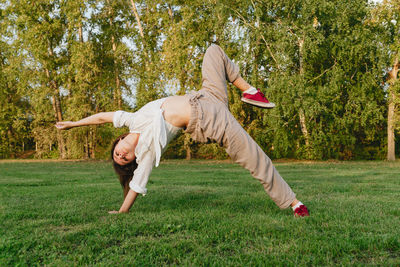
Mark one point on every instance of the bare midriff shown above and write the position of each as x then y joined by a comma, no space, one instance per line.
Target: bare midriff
177,110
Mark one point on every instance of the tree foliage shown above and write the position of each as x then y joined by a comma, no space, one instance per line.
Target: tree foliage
325,63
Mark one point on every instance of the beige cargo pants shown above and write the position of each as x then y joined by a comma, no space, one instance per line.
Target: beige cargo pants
211,121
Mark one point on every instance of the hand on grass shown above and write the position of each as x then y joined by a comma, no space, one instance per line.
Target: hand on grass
113,212
64,125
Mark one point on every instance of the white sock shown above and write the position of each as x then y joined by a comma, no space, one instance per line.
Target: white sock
297,205
251,91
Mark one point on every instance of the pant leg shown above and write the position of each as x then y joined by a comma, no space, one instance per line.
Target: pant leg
211,120
217,68
245,151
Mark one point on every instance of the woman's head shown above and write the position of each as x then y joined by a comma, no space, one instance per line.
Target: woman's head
124,149
125,171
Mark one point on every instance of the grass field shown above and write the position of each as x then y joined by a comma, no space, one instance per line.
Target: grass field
199,213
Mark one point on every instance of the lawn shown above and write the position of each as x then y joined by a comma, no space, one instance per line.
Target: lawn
205,213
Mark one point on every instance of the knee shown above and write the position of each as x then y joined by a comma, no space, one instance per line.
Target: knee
213,48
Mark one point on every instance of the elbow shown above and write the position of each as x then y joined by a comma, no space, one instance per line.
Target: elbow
102,118
105,117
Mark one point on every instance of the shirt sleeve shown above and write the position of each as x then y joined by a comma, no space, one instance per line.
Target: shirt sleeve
123,118
142,172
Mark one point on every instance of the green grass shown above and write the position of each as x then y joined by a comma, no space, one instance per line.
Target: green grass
199,213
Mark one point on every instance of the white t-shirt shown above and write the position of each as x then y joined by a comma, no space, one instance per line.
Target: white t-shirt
155,134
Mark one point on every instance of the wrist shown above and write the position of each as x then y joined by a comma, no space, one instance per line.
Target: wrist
123,211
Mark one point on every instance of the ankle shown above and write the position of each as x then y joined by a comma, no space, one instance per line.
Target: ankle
294,203
252,90
241,84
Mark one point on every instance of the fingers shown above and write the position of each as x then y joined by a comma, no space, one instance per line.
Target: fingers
62,125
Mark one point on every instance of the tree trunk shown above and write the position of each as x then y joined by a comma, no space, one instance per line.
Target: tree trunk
93,131
117,91
86,145
390,128
58,117
135,12
56,107
302,117
186,144
93,137
10,146
170,12
117,95
57,114
303,126
80,32
391,111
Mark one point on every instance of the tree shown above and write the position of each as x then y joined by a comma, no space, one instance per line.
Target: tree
39,28
321,61
387,15
14,108
318,60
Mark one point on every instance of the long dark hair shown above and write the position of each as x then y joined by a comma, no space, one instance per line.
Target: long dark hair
125,172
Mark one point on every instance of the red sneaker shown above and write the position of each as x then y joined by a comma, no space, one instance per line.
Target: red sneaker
301,211
258,100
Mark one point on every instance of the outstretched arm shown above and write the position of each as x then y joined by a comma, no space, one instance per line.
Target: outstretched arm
128,202
99,118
